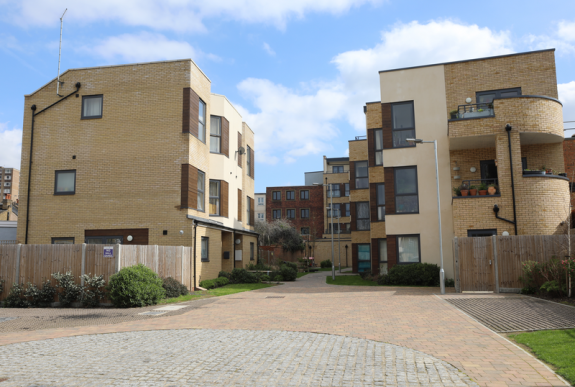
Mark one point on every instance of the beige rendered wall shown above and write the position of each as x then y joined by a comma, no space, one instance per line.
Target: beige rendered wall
248,183
426,87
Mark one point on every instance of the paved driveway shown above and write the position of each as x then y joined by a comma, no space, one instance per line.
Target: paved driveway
412,318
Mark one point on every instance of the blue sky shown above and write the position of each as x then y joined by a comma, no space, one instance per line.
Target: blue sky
299,71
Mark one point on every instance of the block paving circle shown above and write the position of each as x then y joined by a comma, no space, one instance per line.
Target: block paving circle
207,357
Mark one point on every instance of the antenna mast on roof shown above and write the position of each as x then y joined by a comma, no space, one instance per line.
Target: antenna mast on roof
60,54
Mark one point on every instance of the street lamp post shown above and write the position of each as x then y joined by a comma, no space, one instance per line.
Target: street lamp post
441,272
338,239
331,211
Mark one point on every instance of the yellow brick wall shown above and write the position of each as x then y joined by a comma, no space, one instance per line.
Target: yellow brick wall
467,159
548,155
373,115
378,230
358,150
228,245
376,175
359,195
360,237
322,250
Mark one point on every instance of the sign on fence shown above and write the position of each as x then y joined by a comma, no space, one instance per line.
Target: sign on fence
109,252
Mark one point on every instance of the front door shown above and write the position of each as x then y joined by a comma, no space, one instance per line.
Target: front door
363,257
488,171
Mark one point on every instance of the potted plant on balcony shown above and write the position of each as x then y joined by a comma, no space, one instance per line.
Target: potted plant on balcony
564,174
453,114
464,189
456,191
482,189
473,190
492,189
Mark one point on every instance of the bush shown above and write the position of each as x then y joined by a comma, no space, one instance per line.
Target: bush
208,284
70,291
449,283
420,274
222,281
224,274
291,264
278,278
242,276
40,296
553,288
258,266
265,278
16,298
288,273
135,286
174,288
325,264
93,289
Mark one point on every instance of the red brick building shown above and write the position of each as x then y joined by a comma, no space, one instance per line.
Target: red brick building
301,205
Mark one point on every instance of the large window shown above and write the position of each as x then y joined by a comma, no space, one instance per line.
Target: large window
482,233
290,195
337,169
346,194
363,257
92,106
336,210
252,248
347,213
361,175
304,195
488,96
362,215
334,192
403,123
406,197
63,241
277,195
215,134
304,213
205,249
201,190
383,256
249,160
214,197
260,201
276,214
381,202
378,146
408,249
290,213
202,121
65,183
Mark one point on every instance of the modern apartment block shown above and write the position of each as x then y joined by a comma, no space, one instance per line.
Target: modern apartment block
260,205
139,154
336,191
498,126
9,183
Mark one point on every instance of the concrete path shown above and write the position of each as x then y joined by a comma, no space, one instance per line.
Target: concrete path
413,318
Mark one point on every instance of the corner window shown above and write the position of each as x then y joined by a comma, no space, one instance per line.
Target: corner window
249,160
346,194
276,195
403,124
408,249
381,202
92,106
305,231
337,169
304,195
335,192
361,175
304,213
363,257
383,256
202,121
215,134
378,146
65,182
290,195
214,197
362,215
63,241
276,214
252,248
406,196
205,249
290,214
201,190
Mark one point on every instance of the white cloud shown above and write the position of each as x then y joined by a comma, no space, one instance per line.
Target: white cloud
563,39
11,140
269,50
566,31
567,97
177,15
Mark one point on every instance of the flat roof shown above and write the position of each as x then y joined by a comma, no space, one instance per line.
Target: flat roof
467,60
337,159
315,172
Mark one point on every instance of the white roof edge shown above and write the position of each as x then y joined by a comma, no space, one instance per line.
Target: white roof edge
120,65
226,98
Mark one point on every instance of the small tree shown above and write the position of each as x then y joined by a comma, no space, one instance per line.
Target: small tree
280,232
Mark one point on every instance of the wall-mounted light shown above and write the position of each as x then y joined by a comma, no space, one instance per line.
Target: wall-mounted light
505,233
456,168
472,169
130,238
181,232
238,241
468,100
456,177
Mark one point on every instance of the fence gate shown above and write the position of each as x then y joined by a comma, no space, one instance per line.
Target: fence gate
476,266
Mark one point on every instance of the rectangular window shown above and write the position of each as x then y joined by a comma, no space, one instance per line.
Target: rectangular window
260,215
290,195
337,227
304,195
260,201
336,210
214,197
65,182
408,249
362,215
346,189
215,134
403,124
482,233
205,249
361,175
104,240
63,241
92,106
249,211
252,247
383,256
290,214
337,169
201,190
276,214
6,184
304,213
378,146
488,96
406,197
347,227
202,121
276,195
335,192
381,202
363,257
347,213
7,177
249,160
305,231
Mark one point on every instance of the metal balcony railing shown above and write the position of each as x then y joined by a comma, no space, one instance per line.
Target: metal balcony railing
475,110
468,184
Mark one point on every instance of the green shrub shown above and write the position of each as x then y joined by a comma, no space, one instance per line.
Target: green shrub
325,264
69,290
449,283
288,273
553,288
135,286
222,281
224,274
174,288
278,278
528,290
16,298
419,274
93,289
265,278
208,284
291,264
242,276
40,296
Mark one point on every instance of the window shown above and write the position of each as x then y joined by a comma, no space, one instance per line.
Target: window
335,192
347,227
260,215
251,251
382,256
378,146
7,177
362,215
8,170
346,194
205,249
63,241
65,183
290,214
249,160
304,213
260,201
408,249
276,195
488,96
305,231
104,240
481,233
336,227
304,195
347,213
337,169
361,179
363,257
336,210
202,122
381,202
215,134
403,124
6,184
276,214
290,195
406,198
249,211
92,106
201,190
7,190
214,197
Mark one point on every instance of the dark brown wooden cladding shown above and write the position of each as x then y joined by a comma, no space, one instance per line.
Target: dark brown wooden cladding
252,212
224,195
140,235
389,190
253,166
386,126
225,137
239,144
374,255
189,187
354,260
353,225
352,175
240,211
391,251
373,201
371,147
190,111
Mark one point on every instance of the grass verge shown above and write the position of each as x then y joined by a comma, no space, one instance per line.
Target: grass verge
301,274
349,280
553,347
223,291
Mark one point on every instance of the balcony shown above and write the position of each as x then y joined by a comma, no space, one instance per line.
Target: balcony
480,188
474,110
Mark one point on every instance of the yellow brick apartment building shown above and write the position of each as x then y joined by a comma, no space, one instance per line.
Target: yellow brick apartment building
139,154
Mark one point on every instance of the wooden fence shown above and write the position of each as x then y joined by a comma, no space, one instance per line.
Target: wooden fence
37,263
494,263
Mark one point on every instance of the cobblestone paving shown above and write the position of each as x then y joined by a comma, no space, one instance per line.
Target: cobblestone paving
207,357
513,314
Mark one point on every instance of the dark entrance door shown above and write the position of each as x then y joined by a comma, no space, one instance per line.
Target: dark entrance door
488,171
